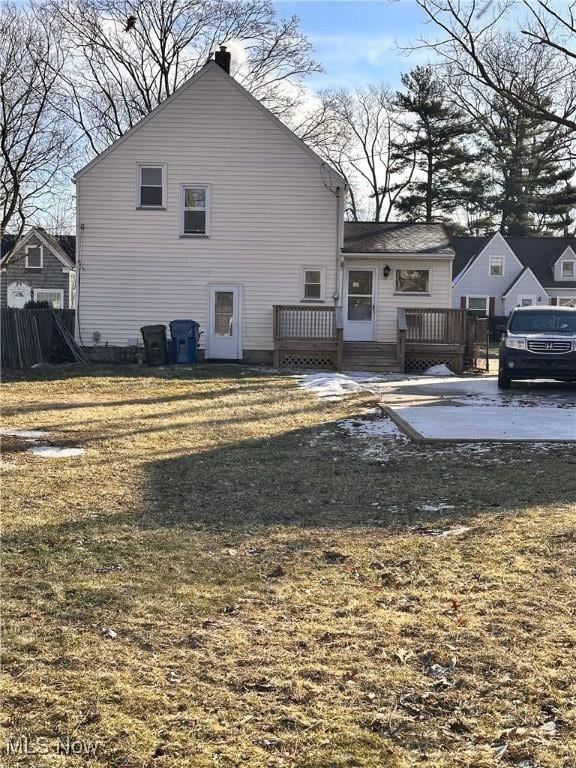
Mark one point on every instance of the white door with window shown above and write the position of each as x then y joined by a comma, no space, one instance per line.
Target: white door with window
224,331
18,294
359,304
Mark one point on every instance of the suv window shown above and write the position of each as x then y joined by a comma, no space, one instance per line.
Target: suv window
543,322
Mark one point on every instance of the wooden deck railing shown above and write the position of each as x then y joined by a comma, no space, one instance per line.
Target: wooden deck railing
436,326
301,322
402,329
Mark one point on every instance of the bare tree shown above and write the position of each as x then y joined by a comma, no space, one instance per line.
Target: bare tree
471,33
33,136
366,126
130,55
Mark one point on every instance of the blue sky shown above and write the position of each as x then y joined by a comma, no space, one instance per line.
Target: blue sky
359,41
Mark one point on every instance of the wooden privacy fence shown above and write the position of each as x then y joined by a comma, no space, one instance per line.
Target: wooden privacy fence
32,336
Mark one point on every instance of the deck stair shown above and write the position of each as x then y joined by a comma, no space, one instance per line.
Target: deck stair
370,356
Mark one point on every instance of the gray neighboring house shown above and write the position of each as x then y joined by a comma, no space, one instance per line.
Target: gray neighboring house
492,275
38,267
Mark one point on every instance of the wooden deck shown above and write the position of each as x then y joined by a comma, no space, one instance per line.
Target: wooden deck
310,336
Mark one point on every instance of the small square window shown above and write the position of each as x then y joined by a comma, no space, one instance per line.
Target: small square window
568,269
412,280
195,204
313,284
151,186
496,266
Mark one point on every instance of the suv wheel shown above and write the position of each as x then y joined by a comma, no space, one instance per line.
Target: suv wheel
504,381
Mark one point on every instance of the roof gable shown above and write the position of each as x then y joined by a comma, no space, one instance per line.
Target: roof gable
526,272
485,243
62,247
211,68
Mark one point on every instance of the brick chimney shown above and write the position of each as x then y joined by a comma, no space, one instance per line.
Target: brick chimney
223,58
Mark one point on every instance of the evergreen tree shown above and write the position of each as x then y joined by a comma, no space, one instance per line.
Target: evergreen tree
532,191
437,133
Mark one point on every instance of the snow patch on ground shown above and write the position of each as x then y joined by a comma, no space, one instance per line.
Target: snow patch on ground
25,434
336,386
53,452
439,370
368,428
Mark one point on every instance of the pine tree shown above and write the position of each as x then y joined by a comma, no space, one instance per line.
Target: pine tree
533,189
437,133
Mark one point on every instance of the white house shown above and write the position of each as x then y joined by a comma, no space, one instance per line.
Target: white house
492,275
210,208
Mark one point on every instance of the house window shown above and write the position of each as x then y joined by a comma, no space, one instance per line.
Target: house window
496,266
526,301
412,280
195,210
53,296
478,305
151,182
312,284
567,270
567,301
34,257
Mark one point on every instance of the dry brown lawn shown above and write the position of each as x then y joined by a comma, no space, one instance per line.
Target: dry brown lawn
223,578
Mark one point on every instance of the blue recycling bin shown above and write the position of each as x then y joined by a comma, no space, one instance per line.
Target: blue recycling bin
184,341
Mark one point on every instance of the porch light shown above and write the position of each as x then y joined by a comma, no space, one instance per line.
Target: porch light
386,272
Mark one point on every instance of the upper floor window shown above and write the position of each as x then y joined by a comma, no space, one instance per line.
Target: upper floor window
412,281
568,270
195,210
34,257
151,186
313,284
496,265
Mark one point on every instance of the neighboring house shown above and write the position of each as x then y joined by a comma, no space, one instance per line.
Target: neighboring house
211,209
492,275
38,267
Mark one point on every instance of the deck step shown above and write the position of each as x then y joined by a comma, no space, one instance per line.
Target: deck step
388,366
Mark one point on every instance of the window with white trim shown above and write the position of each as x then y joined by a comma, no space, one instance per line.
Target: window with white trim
151,186
496,266
567,301
53,296
412,281
313,279
478,305
568,270
196,209
34,256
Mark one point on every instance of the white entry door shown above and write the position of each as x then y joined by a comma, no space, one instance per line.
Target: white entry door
224,330
359,304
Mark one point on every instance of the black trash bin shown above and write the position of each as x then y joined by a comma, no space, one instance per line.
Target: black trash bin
155,346
185,335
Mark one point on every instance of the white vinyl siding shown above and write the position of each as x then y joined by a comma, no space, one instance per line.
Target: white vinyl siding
387,300
527,287
273,208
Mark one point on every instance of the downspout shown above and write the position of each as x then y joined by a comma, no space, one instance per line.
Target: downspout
339,275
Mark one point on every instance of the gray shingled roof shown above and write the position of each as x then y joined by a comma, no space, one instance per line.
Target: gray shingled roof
538,253
396,237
